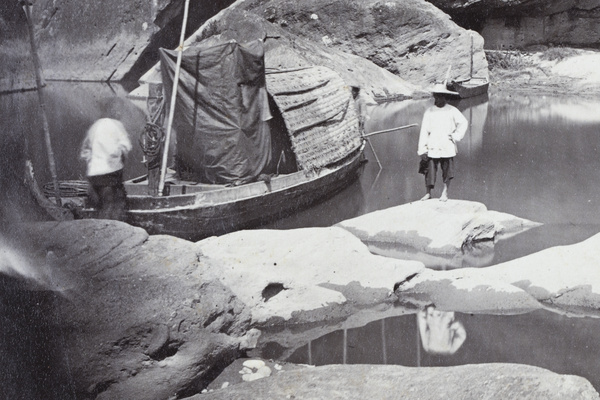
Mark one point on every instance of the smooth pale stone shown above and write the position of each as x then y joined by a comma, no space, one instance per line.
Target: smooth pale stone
436,227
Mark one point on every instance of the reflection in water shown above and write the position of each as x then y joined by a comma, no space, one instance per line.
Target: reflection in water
440,333
478,254
544,339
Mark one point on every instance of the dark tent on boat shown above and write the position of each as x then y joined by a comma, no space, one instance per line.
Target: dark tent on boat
234,122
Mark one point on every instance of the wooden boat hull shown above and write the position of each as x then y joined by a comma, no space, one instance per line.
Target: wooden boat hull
203,213
469,88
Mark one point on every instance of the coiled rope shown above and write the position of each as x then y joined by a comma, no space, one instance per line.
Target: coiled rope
67,188
151,139
153,135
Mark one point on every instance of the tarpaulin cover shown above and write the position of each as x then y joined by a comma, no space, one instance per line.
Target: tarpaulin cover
221,110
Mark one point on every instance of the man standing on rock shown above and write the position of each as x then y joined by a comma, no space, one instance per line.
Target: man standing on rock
443,125
104,149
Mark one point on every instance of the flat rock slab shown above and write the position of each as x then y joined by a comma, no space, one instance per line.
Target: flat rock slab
436,227
348,382
281,274
564,278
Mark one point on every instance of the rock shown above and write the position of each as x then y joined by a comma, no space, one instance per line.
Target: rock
468,294
435,227
412,41
476,382
506,24
311,274
410,38
564,279
232,374
285,50
134,315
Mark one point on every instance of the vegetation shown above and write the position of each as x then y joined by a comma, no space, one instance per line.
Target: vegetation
517,59
558,53
506,59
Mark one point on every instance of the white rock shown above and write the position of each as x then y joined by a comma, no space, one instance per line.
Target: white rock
312,265
254,364
434,226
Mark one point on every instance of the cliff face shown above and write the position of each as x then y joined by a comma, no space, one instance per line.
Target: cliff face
115,40
111,40
414,39
524,23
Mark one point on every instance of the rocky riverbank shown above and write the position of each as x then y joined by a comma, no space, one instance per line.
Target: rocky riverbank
546,71
138,316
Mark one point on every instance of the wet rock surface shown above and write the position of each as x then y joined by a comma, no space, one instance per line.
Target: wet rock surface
477,382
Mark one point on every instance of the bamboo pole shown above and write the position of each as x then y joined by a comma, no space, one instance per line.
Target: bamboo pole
471,70
39,80
163,167
389,130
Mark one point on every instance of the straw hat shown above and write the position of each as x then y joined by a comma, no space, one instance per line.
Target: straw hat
442,89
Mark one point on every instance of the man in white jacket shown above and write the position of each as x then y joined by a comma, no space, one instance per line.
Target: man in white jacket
104,149
443,125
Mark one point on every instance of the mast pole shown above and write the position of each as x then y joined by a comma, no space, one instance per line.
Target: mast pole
471,70
39,80
163,167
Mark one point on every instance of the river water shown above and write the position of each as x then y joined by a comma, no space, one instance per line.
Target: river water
535,157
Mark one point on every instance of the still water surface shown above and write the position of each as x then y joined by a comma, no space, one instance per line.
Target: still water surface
535,157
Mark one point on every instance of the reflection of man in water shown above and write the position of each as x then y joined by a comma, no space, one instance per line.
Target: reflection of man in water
440,333
104,149
443,125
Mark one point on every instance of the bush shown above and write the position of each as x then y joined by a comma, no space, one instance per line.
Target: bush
558,53
509,59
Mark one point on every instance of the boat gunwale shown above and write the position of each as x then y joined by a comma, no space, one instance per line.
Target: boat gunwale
257,189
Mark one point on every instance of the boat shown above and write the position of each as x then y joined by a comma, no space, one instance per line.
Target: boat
300,138
474,86
470,87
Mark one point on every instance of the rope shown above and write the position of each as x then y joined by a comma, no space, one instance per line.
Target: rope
151,139
67,188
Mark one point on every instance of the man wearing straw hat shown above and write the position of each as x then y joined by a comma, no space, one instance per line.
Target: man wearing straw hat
443,125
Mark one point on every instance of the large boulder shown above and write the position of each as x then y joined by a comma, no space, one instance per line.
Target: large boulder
286,50
468,382
410,38
436,228
131,316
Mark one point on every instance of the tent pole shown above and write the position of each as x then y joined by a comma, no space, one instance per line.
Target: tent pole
39,80
163,167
